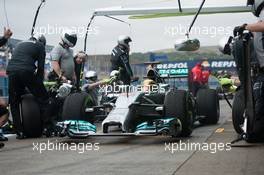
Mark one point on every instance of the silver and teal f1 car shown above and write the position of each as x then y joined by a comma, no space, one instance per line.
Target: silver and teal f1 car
171,113
161,112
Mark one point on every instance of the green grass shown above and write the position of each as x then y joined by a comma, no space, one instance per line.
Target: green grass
162,15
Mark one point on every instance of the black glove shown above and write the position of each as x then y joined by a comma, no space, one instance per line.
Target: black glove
239,30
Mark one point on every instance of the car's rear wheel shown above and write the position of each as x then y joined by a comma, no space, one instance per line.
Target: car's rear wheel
31,118
177,104
74,107
208,106
238,111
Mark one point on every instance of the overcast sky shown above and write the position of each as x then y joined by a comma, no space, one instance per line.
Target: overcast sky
147,34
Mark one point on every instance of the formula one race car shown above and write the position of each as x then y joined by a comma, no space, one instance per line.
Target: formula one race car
159,111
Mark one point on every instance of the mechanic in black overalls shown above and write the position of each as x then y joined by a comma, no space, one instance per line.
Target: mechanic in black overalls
258,88
3,108
24,73
120,59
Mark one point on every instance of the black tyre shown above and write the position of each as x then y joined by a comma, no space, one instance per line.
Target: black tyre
207,102
177,104
74,107
238,111
31,119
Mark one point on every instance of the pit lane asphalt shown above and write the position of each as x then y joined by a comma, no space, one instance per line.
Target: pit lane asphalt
116,155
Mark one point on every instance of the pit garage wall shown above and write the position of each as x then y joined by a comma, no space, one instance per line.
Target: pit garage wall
213,65
101,64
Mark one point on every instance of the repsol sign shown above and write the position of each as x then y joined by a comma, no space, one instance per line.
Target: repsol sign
223,64
178,65
214,64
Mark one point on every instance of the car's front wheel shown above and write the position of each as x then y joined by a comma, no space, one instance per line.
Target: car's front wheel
177,104
208,106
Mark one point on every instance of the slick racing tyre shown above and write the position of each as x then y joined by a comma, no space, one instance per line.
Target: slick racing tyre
238,111
177,104
74,107
31,119
208,106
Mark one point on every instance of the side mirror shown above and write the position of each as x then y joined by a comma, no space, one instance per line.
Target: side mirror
89,110
159,109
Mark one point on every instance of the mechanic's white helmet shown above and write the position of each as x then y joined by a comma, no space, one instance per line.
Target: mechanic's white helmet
39,37
114,73
257,6
124,40
91,75
69,37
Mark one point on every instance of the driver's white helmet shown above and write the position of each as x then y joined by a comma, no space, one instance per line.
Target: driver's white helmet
114,73
91,75
257,6
124,40
69,37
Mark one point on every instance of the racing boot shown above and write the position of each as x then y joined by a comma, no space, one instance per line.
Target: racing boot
50,129
20,136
